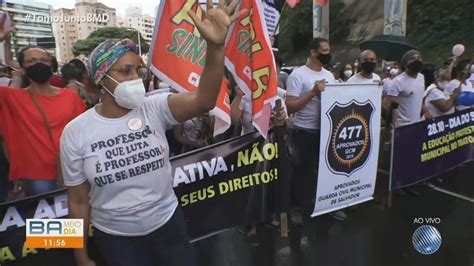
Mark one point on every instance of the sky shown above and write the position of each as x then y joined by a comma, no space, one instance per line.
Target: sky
148,6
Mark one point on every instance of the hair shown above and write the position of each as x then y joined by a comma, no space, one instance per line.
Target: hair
459,68
315,44
406,57
428,71
54,64
69,72
342,69
278,61
441,72
78,64
21,54
81,68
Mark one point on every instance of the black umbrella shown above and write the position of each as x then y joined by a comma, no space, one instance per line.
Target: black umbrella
388,47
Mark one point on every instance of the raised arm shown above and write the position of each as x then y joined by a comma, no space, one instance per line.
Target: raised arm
214,29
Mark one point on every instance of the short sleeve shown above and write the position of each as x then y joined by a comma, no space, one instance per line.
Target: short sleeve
331,79
452,85
434,94
393,88
72,163
294,85
159,110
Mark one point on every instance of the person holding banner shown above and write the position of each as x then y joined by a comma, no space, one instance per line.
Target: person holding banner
115,157
304,88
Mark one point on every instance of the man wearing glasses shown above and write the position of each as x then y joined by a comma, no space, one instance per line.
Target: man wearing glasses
32,121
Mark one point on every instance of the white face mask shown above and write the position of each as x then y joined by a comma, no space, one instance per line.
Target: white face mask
347,73
129,94
393,72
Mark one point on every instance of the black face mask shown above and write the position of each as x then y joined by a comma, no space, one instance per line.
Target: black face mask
415,66
39,72
324,58
368,67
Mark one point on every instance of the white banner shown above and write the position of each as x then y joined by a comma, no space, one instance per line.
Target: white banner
350,134
271,16
320,20
395,17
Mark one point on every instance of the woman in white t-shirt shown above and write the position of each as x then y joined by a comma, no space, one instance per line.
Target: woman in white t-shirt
437,100
115,157
460,75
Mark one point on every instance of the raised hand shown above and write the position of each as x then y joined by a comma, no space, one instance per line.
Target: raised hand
215,22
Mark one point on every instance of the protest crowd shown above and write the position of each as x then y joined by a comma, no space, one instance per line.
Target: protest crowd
59,124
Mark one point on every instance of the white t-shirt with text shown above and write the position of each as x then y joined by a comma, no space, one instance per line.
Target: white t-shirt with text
126,161
300,83
409,92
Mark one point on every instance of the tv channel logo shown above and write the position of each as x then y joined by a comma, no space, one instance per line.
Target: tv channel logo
426,239
54,233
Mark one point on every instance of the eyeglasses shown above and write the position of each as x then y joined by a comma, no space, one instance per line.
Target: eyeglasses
128,71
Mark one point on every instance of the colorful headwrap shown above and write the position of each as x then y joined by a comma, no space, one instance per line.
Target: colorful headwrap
106,54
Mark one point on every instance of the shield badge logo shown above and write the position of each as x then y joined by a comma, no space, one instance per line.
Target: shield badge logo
349,144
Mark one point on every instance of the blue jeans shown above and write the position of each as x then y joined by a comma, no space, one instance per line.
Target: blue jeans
167,246
35,187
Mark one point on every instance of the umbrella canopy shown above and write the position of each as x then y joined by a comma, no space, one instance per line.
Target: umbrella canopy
388,47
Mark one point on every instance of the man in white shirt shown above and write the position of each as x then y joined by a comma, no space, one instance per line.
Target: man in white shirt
368,61
304,88
407,90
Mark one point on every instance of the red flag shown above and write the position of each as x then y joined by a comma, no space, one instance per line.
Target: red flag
322,2
178,53
249,57
292,3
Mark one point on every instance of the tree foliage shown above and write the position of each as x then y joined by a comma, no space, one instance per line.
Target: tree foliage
296,28
433,26
87,45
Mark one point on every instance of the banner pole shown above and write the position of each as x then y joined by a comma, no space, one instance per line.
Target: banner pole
279,19
390,193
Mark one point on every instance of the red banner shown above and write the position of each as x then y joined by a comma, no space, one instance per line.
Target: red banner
322,2
292,3
249,57
178,54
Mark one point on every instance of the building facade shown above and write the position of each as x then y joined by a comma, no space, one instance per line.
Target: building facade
32,24
71,25
135,19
